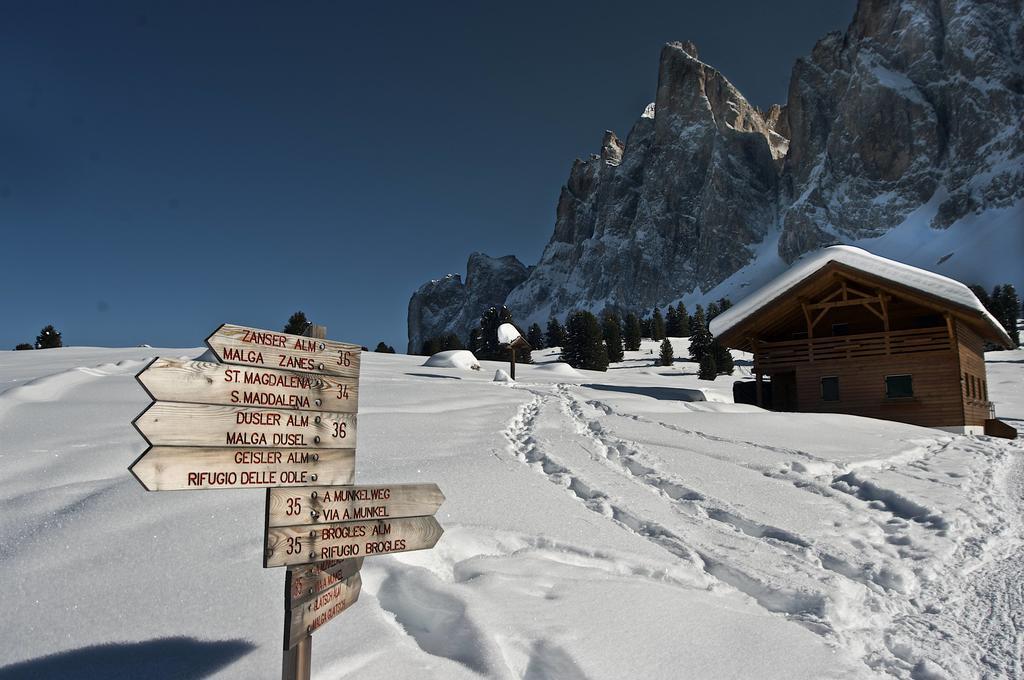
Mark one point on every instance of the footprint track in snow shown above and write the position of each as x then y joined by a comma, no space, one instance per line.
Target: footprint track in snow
805,608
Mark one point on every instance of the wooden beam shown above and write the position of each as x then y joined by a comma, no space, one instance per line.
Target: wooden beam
837,291
951,330
810,332
883,300
880,315
818,318
807,316
843,303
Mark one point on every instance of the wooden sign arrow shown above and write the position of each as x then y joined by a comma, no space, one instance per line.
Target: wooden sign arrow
202,382
168,468
269,349
316,543
304,582
322,505
174,424
301,621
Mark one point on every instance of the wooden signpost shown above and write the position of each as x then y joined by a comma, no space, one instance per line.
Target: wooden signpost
201,382
322,505
316,543
301,620
176,424
167,468
267,349
279,412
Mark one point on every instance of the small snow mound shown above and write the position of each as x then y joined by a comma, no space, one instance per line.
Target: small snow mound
456,358
560,368
502,376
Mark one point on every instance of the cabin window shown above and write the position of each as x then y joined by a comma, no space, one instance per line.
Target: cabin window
830,388
984,389
899,386
840,329
967,385
974,389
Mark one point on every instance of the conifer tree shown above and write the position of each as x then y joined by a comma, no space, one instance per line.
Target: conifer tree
713,311
982,296
384,348
700,336
1004,306
645,327
657,325
684,321
666,357
612,328
474,343
49,338
724,304
584,344
555,334
535,336
23,345
430,347
297,324
707,370
632,333
449,341
723,358
671,322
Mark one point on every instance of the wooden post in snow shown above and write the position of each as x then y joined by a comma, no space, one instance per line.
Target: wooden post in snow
297,660
509,336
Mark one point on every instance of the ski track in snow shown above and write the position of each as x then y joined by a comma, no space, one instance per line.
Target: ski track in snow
981,604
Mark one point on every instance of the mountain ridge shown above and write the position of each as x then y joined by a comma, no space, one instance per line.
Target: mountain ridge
904,128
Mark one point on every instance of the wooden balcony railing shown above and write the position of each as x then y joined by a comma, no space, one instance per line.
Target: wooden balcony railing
774,355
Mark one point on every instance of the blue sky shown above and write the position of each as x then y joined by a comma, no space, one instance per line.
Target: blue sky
171,166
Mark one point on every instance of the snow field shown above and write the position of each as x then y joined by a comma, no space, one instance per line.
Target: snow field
632,523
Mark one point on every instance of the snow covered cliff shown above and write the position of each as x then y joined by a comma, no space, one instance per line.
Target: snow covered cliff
902,135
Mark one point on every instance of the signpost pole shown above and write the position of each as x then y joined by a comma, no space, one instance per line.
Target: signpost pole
296,662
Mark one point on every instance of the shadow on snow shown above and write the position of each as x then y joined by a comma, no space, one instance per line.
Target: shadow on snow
159,659
663,393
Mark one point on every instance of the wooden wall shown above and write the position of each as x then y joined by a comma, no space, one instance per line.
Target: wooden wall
974,383
937,400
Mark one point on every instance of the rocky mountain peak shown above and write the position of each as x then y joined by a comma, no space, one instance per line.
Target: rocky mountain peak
914,111
447,305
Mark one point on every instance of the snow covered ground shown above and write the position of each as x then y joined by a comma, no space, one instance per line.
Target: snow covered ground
628,524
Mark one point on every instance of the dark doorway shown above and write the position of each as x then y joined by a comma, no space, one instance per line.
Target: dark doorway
784,391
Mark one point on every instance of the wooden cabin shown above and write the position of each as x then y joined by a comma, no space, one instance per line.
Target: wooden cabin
845,331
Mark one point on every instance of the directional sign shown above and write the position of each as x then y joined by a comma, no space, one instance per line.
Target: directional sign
317,543
268,349
174,424
302,583
167,468
321,505
203,382
301,621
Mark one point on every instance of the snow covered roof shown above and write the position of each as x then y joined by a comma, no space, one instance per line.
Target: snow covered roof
509,335
933,284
